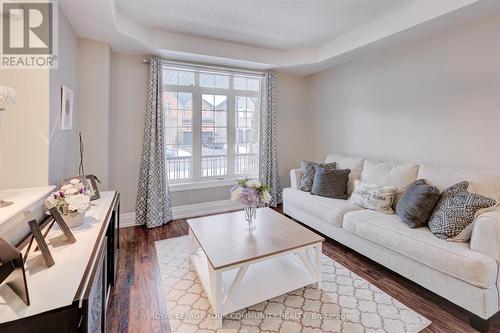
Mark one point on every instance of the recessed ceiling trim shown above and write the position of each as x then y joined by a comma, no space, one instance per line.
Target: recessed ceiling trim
127,35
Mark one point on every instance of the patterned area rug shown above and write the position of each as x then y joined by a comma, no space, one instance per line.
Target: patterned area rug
346,303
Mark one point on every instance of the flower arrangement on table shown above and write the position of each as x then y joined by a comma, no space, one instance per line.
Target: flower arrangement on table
71,201
251,193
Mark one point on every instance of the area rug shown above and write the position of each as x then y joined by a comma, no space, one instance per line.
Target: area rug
346,303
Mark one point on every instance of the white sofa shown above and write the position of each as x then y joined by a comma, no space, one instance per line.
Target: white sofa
467,274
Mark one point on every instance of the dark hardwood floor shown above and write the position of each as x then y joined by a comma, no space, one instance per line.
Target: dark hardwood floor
136,303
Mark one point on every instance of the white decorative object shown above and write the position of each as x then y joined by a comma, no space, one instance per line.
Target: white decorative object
8,97
71,201
74,220
66,108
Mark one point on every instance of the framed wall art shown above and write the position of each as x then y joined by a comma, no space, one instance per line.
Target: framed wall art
67,108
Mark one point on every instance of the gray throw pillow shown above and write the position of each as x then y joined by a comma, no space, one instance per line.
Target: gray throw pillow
417,203
331,183
453,217
308,169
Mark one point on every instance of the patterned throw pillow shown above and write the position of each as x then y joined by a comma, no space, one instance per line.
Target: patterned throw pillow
453,217
308,169
379,198
330,183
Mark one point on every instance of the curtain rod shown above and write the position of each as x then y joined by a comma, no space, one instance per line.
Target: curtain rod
203,66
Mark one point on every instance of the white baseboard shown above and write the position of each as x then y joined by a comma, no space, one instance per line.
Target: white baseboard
127,220
212,207
186,211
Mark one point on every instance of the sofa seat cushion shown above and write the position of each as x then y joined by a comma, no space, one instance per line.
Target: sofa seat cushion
454,259
329,210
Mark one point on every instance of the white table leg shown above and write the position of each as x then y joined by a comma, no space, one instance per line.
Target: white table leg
193,243
317,254
216,291
236,283
303,255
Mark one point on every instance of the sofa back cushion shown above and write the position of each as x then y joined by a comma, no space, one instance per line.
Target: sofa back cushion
443,177
355,164
400,175
483,183
487,184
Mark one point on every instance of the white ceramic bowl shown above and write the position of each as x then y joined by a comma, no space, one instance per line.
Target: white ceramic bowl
74,220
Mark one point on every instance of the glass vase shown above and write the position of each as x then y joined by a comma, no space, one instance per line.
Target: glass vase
250,215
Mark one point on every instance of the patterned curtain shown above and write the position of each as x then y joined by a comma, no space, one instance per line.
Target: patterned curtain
153,197
268,157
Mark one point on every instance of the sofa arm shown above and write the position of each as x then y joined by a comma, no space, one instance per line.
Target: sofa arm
295,175
486,234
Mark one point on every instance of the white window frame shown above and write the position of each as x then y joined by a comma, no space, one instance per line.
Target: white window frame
198,181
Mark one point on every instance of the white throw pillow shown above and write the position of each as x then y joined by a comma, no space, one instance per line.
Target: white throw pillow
371,196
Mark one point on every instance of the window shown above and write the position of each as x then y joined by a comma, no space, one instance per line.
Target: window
246,122
211,121
214,135
179,133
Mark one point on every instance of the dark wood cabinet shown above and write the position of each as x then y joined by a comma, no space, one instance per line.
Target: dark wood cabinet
87,312
94,303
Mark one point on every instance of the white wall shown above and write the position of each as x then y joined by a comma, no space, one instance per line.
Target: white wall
290,121
63,150
128,105
33,149
24,130
435,100
93,72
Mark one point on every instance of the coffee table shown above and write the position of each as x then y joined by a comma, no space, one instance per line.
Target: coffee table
239,268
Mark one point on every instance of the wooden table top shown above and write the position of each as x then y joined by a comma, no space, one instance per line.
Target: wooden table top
226,241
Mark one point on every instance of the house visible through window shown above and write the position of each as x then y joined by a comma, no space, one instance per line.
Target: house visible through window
211,122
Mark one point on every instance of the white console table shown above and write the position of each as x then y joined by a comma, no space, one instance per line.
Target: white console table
70,296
